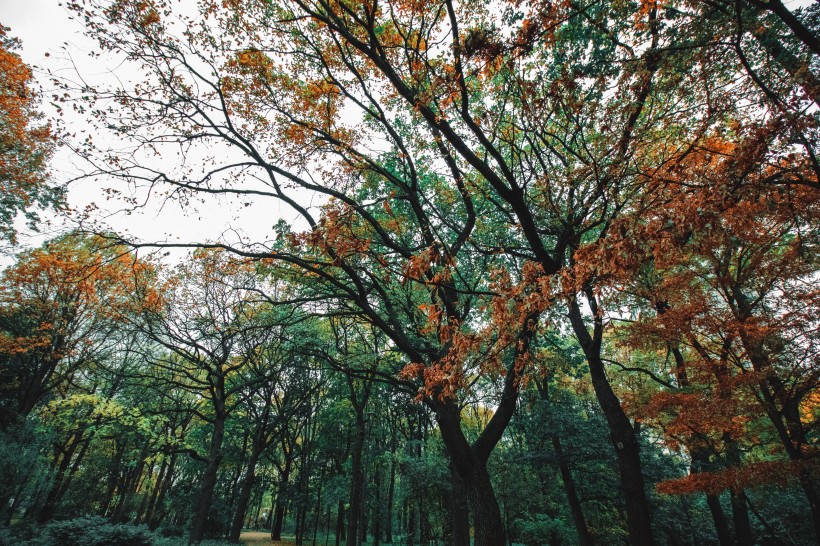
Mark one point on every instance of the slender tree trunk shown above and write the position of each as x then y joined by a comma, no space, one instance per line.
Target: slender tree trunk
206,491
149,509
318,508
340,522
411,523
721,523
740,511
584,538
376,517
158,513
65,470
279,510
245,494
388,530
621,432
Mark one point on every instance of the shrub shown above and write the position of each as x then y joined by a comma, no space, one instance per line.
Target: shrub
94,531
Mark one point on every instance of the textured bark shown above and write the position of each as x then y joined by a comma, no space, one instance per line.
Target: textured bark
621,432
719,517
388,530
244,495
472,468
206,491
279,510
68,465
356,479
459,511
340,522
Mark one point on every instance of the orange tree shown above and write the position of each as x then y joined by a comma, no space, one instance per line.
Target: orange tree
26,143
59,310
723,269
463,153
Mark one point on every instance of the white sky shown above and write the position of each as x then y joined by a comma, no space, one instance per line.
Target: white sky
49,37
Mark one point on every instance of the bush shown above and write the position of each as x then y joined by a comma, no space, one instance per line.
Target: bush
94,531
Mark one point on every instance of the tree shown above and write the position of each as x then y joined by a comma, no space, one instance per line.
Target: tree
59,309
464,156
26,144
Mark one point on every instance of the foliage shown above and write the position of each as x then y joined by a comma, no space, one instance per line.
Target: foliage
26,144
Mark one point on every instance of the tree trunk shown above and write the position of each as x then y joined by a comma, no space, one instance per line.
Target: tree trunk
356,478
721,524
156,518
245,494
149,509
472,468
69,464
459,511
206,491
584,538
621,432
388,529
377,514
279,510
340,523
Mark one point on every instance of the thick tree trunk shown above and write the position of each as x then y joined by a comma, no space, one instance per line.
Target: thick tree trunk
584,538
472,468
206,491
459,511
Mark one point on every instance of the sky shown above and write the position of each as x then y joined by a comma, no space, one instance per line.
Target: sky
52,42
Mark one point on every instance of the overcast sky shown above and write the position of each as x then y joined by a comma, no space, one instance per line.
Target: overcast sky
49,37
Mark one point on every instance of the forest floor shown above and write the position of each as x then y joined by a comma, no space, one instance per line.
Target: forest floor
262,538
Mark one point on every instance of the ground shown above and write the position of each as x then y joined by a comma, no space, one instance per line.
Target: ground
260,538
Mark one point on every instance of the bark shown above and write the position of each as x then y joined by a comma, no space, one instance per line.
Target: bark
158,513
356,480
459,511
622,434
471,466
740,511
279,510
376,517
149,509
388,530
206,491
411,523
340,522
719,517
584,538
245,494
68,465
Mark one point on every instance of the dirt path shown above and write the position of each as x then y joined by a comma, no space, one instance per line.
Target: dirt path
262,538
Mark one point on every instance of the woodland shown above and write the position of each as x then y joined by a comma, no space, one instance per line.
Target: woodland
548,274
